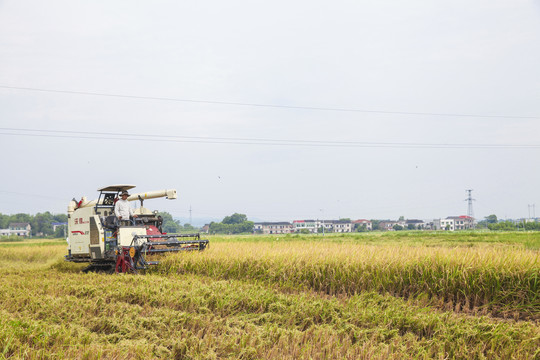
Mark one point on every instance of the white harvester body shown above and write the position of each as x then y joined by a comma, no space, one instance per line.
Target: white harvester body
97,236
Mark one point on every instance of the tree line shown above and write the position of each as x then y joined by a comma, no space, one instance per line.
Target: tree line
41,223
171,225
492,223
233,224
236,223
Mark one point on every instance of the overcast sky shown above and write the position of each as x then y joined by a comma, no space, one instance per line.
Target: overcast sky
384,58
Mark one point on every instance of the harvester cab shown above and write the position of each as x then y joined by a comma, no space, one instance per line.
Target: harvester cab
96,236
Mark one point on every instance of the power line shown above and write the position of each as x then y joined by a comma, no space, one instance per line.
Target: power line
215,102
249,141
189,137
209,138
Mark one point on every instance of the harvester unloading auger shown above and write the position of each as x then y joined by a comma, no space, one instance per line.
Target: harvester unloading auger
97,237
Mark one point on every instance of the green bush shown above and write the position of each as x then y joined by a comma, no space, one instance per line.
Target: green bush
10,238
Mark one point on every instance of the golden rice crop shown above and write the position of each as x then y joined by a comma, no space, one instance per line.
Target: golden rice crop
503,281
25,257
51,314
256,298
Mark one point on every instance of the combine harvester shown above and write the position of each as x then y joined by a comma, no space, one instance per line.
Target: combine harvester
97,237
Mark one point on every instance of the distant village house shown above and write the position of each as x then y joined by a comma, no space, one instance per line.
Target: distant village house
206,228
363,222
309,225
17,229
316,226
452,223
273,227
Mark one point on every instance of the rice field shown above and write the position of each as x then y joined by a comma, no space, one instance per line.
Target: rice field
382,296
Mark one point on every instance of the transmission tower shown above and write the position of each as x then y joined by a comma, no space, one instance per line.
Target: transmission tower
531,206
469,199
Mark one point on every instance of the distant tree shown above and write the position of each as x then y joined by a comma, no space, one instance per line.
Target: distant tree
375,224
21,218
411,227
170,225
234,219
345,219
189,227
234,224
361,227
62,218
491,219
42,224
59,232
397,227
4,219
401,218
532,225
503,226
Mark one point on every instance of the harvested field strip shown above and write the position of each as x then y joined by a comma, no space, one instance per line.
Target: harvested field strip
498,281
66,315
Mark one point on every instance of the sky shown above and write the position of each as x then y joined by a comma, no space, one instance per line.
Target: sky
374,109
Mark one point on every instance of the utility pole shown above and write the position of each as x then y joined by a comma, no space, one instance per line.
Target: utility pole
190,223
470,212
